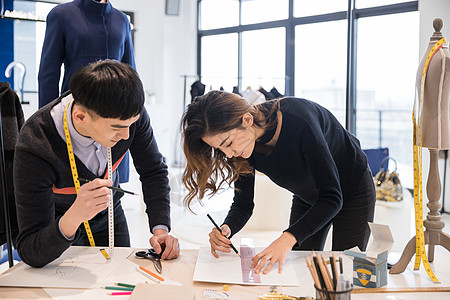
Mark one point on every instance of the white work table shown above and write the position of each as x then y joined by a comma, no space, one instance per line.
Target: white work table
181,270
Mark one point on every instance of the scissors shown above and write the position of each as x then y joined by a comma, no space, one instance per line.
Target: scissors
153,256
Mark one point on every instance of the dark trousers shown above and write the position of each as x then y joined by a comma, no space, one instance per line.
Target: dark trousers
99,227
350,226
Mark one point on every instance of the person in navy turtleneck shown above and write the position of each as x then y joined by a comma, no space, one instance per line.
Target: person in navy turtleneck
78,33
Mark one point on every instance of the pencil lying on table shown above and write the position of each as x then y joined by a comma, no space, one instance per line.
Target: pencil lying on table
149,274
120,293
118,288
125,285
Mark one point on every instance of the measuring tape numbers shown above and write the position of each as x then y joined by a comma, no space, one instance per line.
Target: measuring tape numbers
247,251
418,186
110,208
74,170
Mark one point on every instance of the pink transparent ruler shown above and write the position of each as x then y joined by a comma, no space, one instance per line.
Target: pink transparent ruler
247,251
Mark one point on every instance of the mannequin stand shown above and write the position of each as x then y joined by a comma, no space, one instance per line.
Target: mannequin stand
433,233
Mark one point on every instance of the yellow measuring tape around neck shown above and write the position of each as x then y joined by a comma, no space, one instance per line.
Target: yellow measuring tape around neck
73,167
418,188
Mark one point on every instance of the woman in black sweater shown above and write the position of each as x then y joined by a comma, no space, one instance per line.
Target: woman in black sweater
301,147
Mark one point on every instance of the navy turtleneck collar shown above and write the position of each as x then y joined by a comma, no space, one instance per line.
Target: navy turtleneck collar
94,7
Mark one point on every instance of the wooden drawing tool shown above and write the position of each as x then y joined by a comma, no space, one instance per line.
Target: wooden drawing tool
325,274
313,272
151,273
125,285
109,187
220,230
314,276
118,288
148,275
120,293
319,273
341,266
334,270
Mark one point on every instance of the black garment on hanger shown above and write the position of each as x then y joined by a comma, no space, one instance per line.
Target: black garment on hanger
276,93
12,119
197,89
268,95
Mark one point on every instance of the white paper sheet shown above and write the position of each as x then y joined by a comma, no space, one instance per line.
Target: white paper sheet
125,273
77,267
227,269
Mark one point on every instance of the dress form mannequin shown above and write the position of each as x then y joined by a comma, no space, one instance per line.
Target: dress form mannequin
435,135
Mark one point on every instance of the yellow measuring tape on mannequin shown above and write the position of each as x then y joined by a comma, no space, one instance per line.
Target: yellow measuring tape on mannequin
418,187
74,170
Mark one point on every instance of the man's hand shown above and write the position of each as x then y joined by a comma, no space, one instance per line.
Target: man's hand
161,241
92,198
275,253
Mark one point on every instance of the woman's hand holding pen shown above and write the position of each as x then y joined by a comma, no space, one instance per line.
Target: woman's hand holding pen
92,198
219,241
275,253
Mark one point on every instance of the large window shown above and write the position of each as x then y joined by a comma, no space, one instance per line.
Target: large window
264,11
303,8
386,74
353,64
220,61
320,64
218,14
266,69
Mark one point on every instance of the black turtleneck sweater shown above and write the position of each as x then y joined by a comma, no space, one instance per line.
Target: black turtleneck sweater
315,158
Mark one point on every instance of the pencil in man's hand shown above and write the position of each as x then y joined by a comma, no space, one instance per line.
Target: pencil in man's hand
109,187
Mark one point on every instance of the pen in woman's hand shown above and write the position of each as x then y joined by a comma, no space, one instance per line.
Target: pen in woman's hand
220,230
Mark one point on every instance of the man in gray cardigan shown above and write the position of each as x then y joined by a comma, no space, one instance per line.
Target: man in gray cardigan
104,108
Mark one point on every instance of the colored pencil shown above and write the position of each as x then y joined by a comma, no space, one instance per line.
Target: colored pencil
315,276
325,273
151,273
319,274
155,277
118,288
120,293
334,269
220,230
109,187
313,272
125,285
341,266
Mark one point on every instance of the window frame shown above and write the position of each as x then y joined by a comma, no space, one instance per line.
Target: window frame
290,23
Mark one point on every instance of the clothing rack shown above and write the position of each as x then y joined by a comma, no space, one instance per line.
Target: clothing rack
5,197
179,160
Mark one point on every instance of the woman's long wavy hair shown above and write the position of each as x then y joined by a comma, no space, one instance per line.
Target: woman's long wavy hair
207,169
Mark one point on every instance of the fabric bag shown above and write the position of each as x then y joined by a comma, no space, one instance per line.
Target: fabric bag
387,184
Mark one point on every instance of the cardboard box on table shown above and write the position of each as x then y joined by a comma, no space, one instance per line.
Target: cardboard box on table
370,268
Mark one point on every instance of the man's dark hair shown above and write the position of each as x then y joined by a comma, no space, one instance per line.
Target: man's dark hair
109,88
